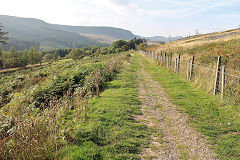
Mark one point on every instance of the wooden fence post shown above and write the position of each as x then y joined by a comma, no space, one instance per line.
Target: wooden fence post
217,78
170,59
167,61
223,81
192,67
178,65
165,55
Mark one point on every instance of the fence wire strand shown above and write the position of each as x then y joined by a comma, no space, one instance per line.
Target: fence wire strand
204,75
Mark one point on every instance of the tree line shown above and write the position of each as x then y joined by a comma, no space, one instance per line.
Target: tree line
14,58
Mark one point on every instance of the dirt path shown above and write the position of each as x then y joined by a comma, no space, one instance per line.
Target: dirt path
171,137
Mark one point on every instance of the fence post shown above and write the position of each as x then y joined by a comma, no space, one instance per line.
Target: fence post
170,59
223,81
192,67
178,64
167,61
216,84
165,55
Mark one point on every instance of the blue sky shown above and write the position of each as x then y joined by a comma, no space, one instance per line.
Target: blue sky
142,17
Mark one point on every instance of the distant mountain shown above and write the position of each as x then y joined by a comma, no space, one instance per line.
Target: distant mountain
26,32
163,39
106,34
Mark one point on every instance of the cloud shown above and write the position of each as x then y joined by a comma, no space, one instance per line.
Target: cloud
120,2
142,16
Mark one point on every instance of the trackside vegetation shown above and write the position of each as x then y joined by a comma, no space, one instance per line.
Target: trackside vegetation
110,130
65,116
34,116
217,122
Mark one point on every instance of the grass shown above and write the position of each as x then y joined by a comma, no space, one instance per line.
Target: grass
216,122
183,152
206,48
67,121
110,131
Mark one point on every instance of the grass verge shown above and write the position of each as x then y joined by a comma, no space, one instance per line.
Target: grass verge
110,131
218,123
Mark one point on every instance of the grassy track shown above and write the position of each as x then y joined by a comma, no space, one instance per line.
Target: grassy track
111,132
218,123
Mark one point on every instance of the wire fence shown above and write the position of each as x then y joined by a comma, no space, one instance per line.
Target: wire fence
216,80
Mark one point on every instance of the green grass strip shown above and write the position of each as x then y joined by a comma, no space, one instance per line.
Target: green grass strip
217,122
111,132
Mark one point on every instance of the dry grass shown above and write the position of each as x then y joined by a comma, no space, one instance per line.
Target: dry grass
206,49
226,44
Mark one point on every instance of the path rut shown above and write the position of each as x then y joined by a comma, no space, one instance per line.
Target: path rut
171,136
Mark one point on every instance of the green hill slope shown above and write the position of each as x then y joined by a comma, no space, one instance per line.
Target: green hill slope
25,32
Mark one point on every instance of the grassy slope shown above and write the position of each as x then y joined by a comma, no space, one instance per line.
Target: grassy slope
110,132
217,123
208,47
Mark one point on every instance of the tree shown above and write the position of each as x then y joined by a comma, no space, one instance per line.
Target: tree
24,58
124,48
142,46
34,56
122,45
139,41
75,54
3,38
48,57
133,44
55,56
10,58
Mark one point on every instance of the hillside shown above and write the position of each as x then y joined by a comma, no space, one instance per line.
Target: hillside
25,32
207,47
102,34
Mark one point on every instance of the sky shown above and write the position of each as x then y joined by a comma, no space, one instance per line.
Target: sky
142,17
